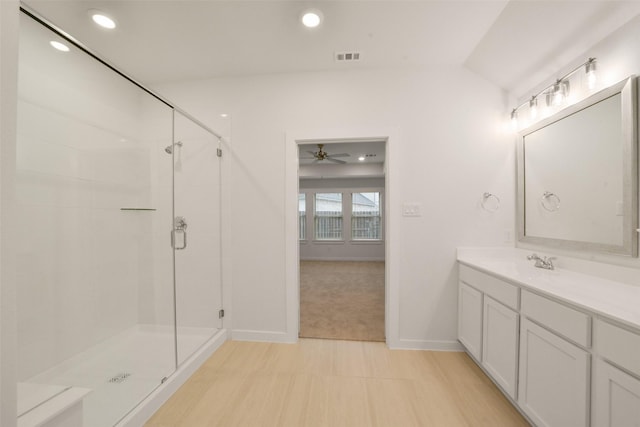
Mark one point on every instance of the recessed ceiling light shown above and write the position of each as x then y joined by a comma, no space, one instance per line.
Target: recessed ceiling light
311,18
102,19
361,158
224,115
60,46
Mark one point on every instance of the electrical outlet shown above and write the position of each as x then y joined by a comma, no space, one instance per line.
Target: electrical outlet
411,209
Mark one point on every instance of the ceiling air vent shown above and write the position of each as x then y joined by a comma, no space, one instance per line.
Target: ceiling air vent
347,56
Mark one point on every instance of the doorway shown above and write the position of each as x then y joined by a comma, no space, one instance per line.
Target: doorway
341,231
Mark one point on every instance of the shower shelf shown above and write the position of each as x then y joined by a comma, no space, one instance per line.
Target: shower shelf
137,209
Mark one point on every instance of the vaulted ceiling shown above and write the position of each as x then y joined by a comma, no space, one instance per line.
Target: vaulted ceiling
511,43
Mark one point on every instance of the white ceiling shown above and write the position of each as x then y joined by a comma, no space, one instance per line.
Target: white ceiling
511,43
532,40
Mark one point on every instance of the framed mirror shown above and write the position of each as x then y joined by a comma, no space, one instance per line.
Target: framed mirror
578,175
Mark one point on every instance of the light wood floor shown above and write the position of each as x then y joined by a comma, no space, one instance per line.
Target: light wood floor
336,383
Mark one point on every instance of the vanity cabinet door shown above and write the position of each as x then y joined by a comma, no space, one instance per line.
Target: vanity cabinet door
500,344
616,397
470,319
554,378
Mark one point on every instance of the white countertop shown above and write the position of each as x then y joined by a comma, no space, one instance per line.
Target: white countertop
608,298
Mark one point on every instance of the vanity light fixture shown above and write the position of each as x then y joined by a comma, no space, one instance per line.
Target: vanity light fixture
60,46
311,18
102,19
361,158
514,118
555,96
533,107
558,92
590,70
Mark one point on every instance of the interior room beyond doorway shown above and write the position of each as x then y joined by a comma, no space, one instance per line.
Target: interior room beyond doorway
342,241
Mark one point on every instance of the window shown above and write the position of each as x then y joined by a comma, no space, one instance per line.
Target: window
328,216
302,216
365,216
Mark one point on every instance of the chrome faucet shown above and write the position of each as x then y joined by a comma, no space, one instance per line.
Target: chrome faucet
544,262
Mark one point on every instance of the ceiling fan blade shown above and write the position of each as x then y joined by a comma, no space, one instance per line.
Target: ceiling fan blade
316,161
307,158
331,159
312,153
340,155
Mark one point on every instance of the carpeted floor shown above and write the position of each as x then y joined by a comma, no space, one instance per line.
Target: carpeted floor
342,300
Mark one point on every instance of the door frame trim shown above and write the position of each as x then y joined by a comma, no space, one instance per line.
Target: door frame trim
391,217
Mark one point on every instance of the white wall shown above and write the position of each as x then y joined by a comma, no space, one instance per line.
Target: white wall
346,249
618,57
452,149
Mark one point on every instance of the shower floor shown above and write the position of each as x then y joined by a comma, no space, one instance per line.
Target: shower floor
120,371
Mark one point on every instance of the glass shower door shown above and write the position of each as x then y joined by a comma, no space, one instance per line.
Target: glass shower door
94,269
196,235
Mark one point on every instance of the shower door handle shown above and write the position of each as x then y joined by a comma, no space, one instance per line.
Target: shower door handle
180,225
173,239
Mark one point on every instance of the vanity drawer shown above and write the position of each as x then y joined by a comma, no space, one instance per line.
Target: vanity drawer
497,289
570,323
618,345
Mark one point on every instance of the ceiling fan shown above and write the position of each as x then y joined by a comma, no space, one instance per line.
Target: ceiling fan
321,155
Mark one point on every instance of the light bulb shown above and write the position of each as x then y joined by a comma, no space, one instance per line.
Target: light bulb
533,107
311,19
101,19
590,70
514,119
591,80
361,158
559,93
557,96
60,46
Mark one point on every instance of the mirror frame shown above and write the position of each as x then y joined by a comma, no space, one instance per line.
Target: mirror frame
629,103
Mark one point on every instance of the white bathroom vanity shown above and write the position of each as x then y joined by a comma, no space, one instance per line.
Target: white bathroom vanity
562,345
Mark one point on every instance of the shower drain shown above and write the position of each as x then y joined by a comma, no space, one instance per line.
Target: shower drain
117,379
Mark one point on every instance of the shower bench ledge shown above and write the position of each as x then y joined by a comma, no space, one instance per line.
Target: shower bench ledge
62,410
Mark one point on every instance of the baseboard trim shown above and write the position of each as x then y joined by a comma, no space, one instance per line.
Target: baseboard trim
407,344
262,336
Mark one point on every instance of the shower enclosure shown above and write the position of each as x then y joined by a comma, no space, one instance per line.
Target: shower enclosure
119,259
